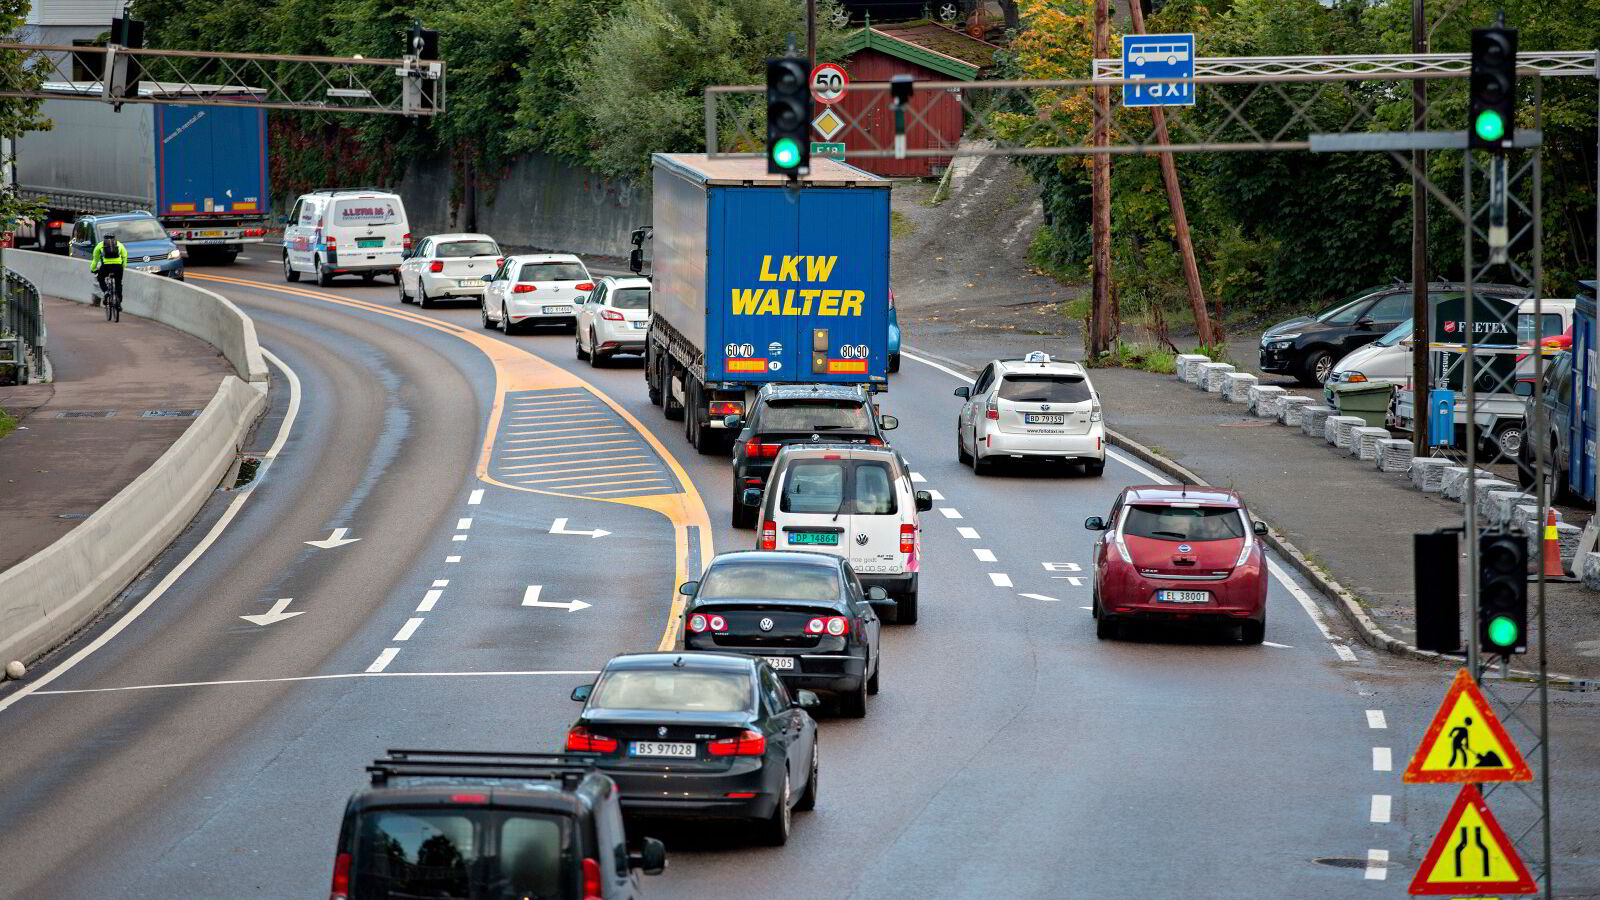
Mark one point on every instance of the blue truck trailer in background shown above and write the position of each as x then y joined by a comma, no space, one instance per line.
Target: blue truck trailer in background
202,170
757,281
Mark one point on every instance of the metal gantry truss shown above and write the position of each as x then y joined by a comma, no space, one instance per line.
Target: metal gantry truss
406,86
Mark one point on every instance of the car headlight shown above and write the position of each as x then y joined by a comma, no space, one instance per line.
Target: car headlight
175,254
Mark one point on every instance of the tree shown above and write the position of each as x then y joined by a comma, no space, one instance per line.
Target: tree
17,115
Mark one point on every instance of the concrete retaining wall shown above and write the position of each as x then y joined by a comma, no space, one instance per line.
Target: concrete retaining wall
193,310
49,595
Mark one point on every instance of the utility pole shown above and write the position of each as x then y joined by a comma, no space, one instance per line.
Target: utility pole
811,35
1419,244
1180,218
1100,183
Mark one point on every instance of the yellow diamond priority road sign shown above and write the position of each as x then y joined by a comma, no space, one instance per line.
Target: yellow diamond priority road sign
828,124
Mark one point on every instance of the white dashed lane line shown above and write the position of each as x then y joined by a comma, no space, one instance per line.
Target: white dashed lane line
452,559
936,495
949,512
970,534
1382,760
463,524
383,660
1377,865
443,582
476,498
983,555
1000,579
408,629
1381,804
458,537
916,478
1375,719
428,600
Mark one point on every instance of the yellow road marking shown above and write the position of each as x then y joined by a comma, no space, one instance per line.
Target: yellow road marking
521,455
528,477
606,482
635,466
568,462
517,370
567,430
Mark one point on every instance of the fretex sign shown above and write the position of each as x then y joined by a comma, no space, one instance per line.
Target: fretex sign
1158,56
812,297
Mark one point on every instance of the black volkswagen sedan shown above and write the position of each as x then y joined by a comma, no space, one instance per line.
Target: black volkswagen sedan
805,614
701,735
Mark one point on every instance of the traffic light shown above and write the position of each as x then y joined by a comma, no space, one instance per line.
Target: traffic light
1492,120
1436,558
1502,593
127,33
423,43
788,117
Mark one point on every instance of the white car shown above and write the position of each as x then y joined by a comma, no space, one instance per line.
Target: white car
448,266
1031,408
614,319
536,289
345,232
849,500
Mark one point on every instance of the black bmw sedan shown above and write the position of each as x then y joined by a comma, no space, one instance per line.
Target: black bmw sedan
701,735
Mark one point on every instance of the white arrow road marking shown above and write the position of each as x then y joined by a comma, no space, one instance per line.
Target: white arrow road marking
1040,597
530,597
276,614
1074,580
559,526
337,539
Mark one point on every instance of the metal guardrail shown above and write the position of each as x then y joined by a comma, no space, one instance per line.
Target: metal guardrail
22,332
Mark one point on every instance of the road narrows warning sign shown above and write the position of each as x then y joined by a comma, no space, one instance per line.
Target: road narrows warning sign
1466,742
1472,853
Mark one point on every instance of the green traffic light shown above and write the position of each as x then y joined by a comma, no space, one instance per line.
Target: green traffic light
1503,631
786,153
1490,126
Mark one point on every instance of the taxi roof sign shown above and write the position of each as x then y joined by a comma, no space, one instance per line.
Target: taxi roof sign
1466,742
1471,853
1037,356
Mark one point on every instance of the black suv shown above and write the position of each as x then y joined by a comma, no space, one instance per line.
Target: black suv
488,825
1307,347
792,413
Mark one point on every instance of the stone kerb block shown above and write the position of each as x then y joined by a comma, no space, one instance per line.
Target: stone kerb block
1236,387
1502,506
1290,408
1214,375
1336,430
1455,481
1264,400
1364,441
1485,489
1427,472
1313,419
1393,455
1589,570
1188,366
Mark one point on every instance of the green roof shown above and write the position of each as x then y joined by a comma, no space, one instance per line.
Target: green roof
870,38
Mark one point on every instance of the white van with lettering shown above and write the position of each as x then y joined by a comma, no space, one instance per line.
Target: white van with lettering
358,231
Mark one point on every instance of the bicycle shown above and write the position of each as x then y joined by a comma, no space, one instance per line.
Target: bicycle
112,300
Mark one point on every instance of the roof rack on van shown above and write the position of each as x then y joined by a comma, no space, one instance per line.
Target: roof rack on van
569,767
350,190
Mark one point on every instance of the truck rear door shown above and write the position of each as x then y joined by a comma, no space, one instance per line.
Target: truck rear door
211,161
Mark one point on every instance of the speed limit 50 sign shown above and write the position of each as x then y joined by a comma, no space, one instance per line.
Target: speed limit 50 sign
828,82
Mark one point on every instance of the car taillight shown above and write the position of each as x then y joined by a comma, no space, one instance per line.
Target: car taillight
1094,412
769,536
834,625
727,408
751,743
405,241
341,878
1122,548
580,740
611,315
991,411
584,286
436,266
499,262
815,626
698,623
523,289
875,442
754,449
592,889
908,538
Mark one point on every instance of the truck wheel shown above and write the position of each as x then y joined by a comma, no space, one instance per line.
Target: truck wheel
289,273
324,277
652,378
671,408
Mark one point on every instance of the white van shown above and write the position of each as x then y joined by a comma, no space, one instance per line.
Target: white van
361,231
849,500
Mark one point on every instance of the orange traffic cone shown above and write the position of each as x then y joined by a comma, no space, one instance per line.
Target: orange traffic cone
1552,547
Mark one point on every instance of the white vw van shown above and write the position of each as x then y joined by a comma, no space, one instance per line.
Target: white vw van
360,231
849,500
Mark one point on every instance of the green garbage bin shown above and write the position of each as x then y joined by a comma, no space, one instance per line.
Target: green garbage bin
1369,400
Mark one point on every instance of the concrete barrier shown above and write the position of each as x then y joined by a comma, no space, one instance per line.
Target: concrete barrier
192,310
49,595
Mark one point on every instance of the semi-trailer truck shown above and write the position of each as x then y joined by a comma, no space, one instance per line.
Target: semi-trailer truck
758,279
202,170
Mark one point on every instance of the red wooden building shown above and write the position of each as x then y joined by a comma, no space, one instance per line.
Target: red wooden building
927,52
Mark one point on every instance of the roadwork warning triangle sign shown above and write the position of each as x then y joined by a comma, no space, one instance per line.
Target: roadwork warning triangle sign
1466,743
1471,853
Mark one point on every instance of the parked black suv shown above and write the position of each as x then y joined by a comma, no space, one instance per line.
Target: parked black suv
1307,347
792,413
488,825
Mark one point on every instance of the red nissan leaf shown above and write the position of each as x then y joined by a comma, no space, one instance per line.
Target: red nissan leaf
1179,554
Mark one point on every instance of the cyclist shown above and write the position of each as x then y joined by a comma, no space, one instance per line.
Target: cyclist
107,262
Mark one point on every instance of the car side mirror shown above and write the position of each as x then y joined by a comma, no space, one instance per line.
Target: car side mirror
751,497
581,692
888,423
689,588
636,260
1524,388
1259,528
963,392
878,596
1364,323
1095,523
806,699
733,421
924,501
650,858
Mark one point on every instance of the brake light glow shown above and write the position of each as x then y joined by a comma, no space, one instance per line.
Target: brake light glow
523,289
727,408
592,888
331,241
754,449
769,536
834,625
436,266
405,241
740,795
611,315
750,743
908,538
469,798
875,442
341,878
499,262
581,740
991,411
585,286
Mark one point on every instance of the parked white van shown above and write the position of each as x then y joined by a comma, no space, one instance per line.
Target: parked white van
848,500
359,231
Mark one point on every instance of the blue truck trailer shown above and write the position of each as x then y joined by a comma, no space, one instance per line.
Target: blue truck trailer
756,280
201,170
